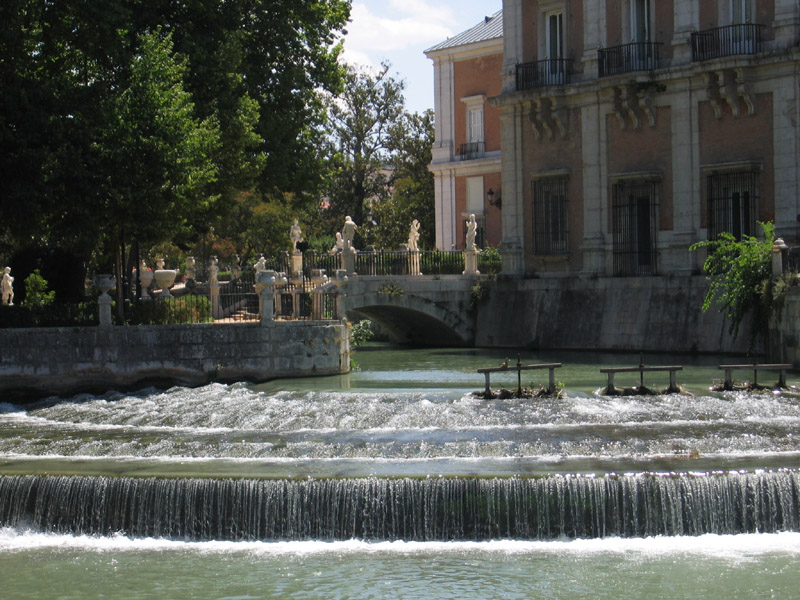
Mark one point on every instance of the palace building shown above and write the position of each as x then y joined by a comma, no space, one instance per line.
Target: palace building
628,130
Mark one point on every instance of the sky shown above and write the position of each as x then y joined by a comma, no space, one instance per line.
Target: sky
399,31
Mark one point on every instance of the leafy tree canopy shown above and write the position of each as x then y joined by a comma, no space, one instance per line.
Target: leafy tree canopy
739,273
149,115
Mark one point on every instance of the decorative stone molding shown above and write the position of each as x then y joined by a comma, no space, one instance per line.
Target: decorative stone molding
731,86
634,103
548,114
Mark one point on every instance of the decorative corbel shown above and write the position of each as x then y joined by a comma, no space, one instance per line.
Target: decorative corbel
745,90
544,116
561,115
729,91
712,93
618,108
537,131
630,100
646,104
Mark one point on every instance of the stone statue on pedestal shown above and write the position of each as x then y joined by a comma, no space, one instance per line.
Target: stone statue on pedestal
7,288
296,235
472,231
348,233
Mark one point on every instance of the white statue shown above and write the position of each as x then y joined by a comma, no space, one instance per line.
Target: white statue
7,288
348,232
413,236
261,265
338,246
296,235
213,269
472,231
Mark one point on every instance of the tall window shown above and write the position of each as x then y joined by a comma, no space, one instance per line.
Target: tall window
554,72
634,224
555,34
640,21
475,124
733,200
550,222
741,11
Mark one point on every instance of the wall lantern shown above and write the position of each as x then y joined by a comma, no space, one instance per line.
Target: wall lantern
498,202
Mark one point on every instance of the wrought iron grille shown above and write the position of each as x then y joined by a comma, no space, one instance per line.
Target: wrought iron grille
742,38
636,56
733,200
470,151
550,223
237,298
634,225
552,71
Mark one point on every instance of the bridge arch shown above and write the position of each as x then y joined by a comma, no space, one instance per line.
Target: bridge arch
421,311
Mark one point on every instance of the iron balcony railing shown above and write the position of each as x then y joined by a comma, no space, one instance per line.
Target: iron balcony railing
553,71
743,38
627,58
470,151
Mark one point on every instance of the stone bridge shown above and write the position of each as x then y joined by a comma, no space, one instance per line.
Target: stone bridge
420,310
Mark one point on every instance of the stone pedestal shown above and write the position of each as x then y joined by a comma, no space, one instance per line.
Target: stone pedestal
471,262
216,309
105,283
413,262
265,288
297,263
349,260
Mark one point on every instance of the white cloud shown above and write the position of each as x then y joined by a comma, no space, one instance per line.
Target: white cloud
381,28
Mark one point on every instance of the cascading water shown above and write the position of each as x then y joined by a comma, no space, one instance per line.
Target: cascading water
406,509
195,480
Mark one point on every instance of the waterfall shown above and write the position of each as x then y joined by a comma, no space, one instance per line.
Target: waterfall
570,506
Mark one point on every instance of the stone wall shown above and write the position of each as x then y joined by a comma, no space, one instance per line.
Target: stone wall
66,360
648,314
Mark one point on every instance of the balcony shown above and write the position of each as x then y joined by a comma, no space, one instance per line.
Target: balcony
744,38
553,71
470,151
627,58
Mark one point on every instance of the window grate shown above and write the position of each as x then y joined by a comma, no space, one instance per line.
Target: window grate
550,216
634,225
733,200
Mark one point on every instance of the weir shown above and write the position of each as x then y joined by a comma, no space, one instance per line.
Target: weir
536,508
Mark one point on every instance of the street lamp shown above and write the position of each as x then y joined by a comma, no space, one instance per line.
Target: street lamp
494,202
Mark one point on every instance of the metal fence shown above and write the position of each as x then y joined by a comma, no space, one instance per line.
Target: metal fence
627,58
543,73
730,40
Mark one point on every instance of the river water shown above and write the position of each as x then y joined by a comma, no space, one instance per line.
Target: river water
408,416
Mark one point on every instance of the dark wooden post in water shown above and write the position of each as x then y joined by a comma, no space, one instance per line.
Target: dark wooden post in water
729,369
611,390
519,367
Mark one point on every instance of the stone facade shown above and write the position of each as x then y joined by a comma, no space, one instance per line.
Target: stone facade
466,152
59,361
634,143
645,314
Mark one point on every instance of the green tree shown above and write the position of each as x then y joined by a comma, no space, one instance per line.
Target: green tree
359,144
739,273
412,191
253,69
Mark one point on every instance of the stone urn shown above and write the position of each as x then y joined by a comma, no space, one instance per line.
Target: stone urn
145,280
105,283
164,279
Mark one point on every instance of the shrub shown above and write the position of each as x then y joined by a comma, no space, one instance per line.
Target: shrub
173,311
738,272
36,294
360,333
